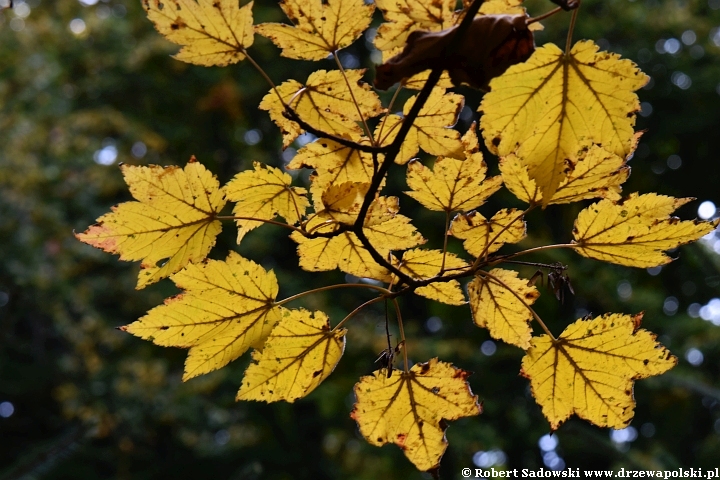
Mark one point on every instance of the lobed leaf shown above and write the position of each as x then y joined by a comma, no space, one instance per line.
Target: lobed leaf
423,264
226,307
635,231
453,185
265,193
299,354
333,163
597,174
171,224
409,409
212,32
482,236
590,369
318,29
499,302
551,107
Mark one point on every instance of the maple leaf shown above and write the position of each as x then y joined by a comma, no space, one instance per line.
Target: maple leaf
299,354
319,29
265,193
453,185
589,370
171,224
409,409
212,32
597,174
549,108
405,16
499,302
333,162
346,252
635,231
482,236
422,264
342,203
430,130
226,307
325,102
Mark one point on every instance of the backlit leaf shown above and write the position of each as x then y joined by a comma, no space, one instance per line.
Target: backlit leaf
342,202
299,354
590,369
410,409
422,264
226,308
431,130
319,29
482,236
635,231
495,305
325,102
552,106
334,163
265,193
171,224
405,16
453,185
212,32
598,174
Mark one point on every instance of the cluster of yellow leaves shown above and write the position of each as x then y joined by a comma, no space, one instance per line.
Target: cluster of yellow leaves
562,124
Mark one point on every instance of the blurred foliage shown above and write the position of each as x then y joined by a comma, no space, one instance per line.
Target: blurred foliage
82,85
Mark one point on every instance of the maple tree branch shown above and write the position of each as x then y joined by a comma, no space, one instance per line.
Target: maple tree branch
332,287
521,300
484,253
291,114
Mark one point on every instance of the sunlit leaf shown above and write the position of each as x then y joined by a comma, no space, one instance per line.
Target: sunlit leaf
265,193
171,224
342,202
484,236
299,354
499,302
410,409
213,33
598,174
552,106
431,130
423,264
635,231
453,185
405,16
324,102
590,369
318,29
226,308
334,163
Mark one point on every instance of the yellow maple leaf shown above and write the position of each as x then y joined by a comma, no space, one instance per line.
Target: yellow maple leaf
171,224
482,236
299,354
495,305
319,29
589,370
265,193
334,163
324,102
431,130
549,108
405,16
342,202
423,264
635,231
409,409
212,32
346,252
598,174
453,185
226,308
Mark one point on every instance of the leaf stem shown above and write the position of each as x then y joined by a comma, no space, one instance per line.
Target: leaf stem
352,95
543,16
387,114
522,300
402,334
445,241
357,310
531,250
332,287
571,29
272,222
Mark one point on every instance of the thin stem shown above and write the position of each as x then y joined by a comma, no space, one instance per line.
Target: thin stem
264,75
522,300
486,250
272,222
543,16
332,287
402,334
445,241
531,250
352,95
568,42
356,311
387,114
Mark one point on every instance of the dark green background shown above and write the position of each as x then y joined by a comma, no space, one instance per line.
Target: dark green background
93,403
